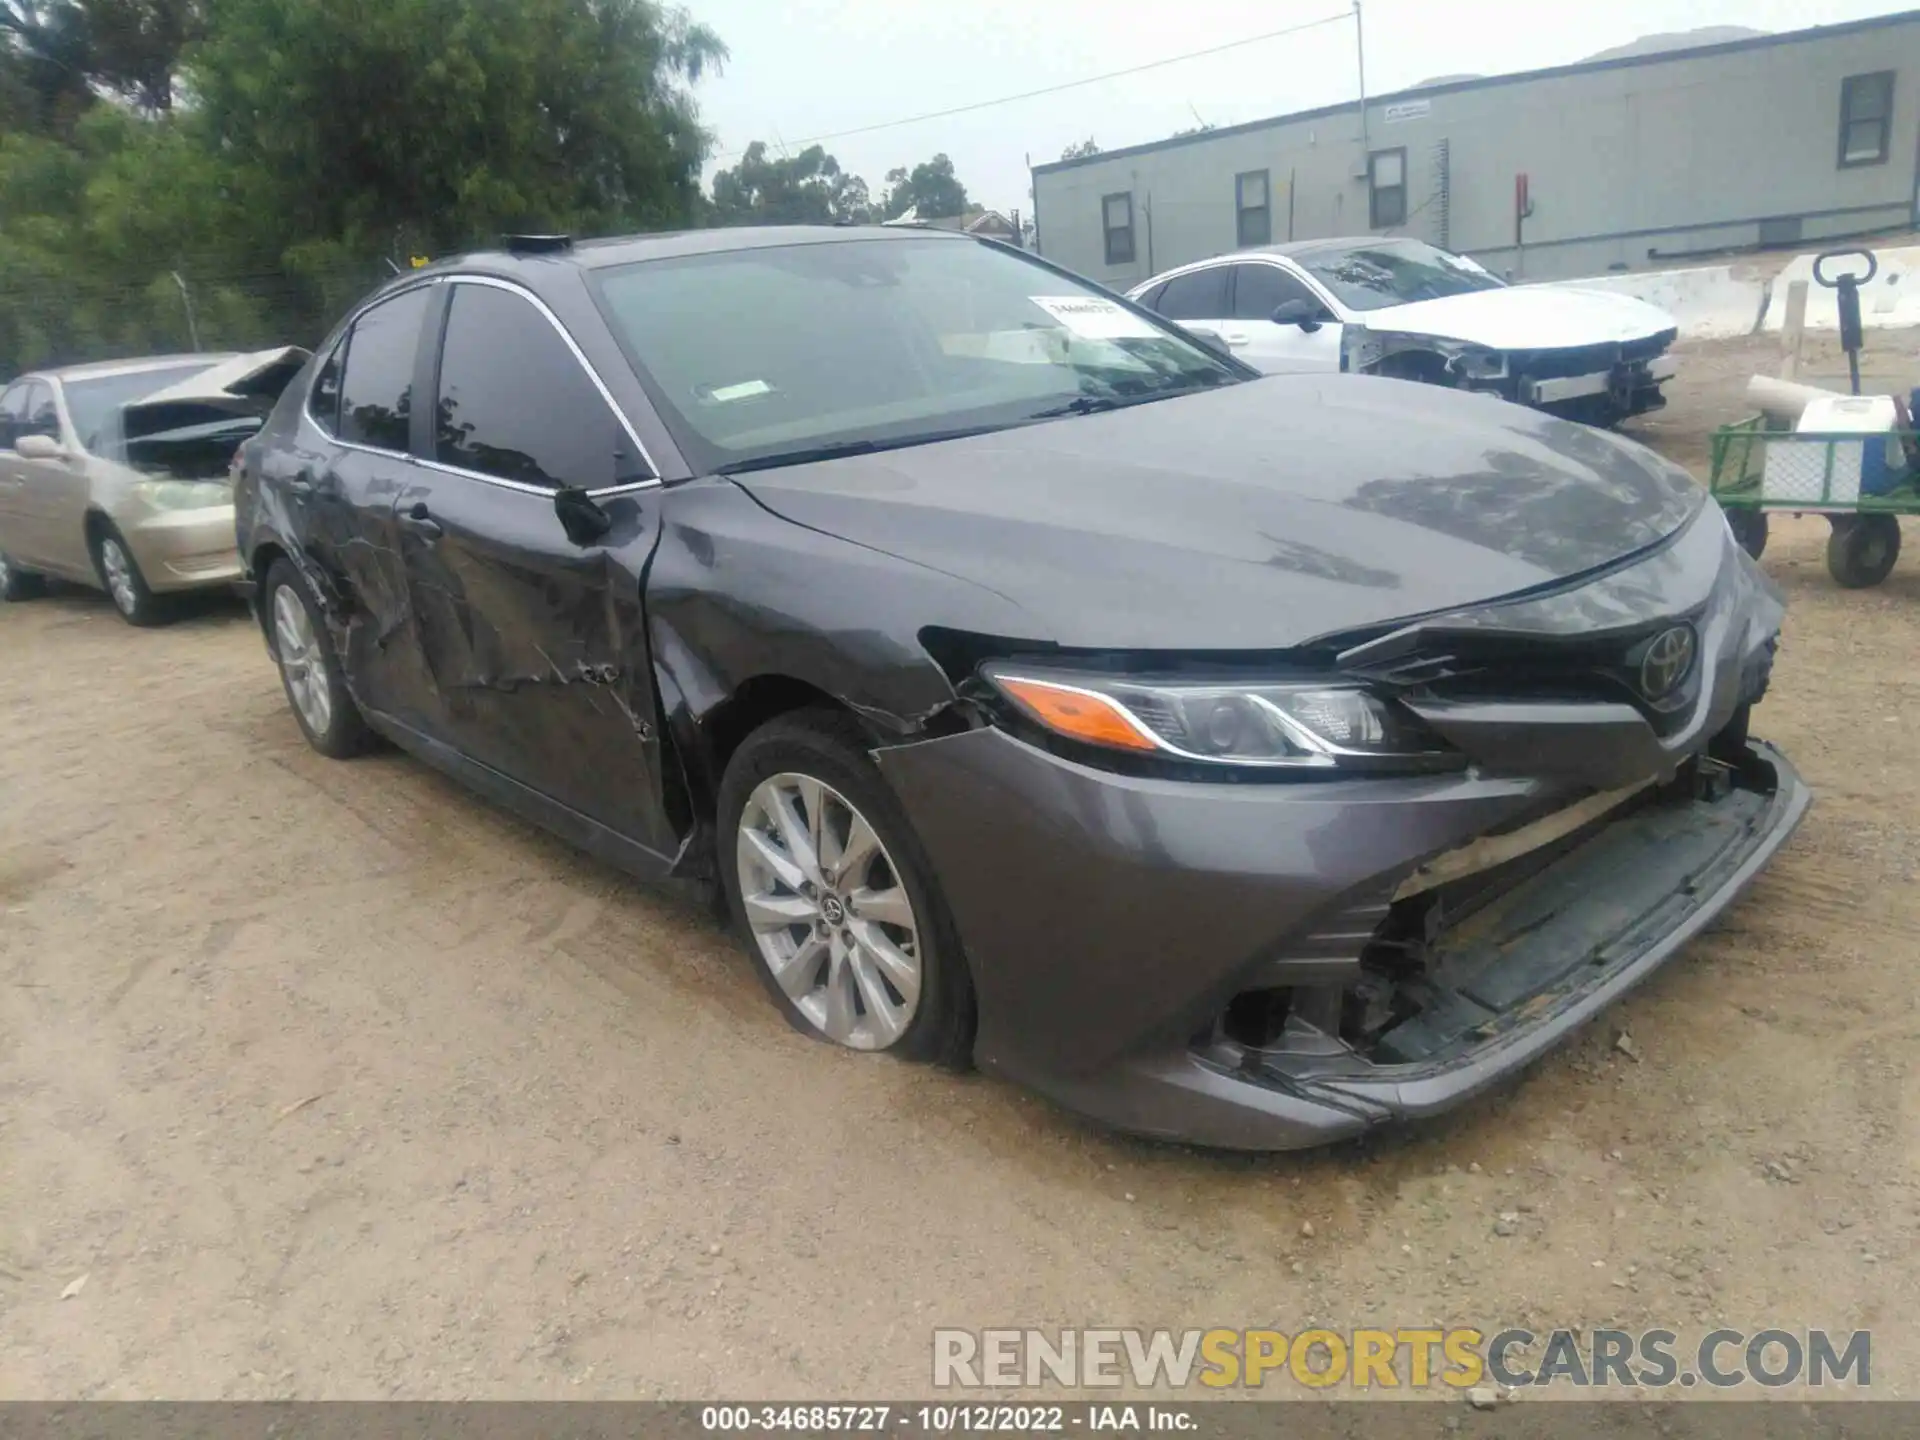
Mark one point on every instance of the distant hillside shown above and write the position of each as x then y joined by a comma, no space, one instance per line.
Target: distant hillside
1645,45
1679,40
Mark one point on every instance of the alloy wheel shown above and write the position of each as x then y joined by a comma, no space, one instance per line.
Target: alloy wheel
119,573
301,661
829,911
6,572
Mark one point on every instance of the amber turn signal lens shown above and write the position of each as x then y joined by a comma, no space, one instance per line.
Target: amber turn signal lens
1076,713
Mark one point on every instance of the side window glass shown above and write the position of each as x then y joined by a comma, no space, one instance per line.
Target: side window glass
323,401
515,401
13,413
42,418
376,386
1197,295
1259,290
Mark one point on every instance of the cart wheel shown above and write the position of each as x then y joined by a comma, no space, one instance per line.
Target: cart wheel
1749,528
1862,549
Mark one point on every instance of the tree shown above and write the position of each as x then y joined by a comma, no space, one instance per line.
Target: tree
1081,150
435,123
931,190
805,189
45,65
136,46
274,154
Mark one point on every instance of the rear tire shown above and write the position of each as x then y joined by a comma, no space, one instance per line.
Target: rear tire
302,648
17,584
120,577
870,958
1862,550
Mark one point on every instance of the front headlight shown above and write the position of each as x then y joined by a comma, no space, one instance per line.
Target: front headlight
1471,362
1298,724
167,494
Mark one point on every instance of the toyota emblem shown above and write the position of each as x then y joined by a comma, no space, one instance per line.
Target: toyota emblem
1667,662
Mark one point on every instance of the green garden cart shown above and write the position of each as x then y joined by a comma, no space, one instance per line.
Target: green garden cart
1861,483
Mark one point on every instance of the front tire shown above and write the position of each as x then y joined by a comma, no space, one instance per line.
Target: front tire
309,670
836,901
17,584
120,577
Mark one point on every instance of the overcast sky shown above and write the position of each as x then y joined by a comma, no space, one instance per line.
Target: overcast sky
802,69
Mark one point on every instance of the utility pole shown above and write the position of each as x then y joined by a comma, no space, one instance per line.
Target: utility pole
186,299
1360,44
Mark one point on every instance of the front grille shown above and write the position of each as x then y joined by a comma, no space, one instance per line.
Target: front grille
1587,359
1506,668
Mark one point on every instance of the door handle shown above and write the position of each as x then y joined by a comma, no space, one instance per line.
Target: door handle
1235,338
419,521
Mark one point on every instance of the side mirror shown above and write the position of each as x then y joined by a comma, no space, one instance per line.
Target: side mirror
39,447
582,519
1213,340
1303,313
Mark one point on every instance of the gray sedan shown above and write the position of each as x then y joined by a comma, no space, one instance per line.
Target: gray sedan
1251,761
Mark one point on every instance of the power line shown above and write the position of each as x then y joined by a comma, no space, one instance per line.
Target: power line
1066,85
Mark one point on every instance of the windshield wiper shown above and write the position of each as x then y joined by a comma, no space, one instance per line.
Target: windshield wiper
1095,404
1088,405
843,449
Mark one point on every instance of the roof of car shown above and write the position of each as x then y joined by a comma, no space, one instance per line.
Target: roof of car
106,369
600,254
1338,242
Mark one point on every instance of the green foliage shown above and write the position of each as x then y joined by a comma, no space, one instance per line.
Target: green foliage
931,190
1080,149
272,155
805,189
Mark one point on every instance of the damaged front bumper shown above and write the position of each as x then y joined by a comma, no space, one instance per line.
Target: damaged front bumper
1272,965
1115,926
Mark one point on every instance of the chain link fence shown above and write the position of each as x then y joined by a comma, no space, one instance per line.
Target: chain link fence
52,319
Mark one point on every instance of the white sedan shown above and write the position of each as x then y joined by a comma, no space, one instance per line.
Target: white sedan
1401,307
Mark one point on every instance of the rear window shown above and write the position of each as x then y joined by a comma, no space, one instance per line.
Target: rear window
92,405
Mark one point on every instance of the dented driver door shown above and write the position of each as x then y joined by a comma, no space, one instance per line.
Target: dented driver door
534,642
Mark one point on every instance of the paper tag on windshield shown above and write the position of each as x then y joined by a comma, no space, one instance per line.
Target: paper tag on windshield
1094,318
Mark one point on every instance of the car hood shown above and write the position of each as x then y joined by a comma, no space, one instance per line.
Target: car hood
1259,516
1525,317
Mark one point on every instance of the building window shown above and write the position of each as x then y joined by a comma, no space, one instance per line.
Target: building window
1866,118
1254,225
1116,213
1386,189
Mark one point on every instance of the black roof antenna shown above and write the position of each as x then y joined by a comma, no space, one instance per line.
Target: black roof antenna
538,244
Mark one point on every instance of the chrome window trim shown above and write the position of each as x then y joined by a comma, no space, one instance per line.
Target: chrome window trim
628,487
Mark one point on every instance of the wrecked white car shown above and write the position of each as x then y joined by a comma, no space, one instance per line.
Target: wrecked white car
1403,308
116,475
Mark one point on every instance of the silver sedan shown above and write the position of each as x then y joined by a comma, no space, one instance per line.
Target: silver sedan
116,475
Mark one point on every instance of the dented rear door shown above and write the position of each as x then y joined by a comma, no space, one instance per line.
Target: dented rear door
534,643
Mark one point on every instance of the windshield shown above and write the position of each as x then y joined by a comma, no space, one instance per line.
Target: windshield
93,403
1393,272
795,352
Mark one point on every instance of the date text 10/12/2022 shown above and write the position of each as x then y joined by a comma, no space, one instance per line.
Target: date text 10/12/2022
952,1419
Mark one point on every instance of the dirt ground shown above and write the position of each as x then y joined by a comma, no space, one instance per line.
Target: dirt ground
331,1081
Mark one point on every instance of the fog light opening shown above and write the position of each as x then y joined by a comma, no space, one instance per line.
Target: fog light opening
1255,1018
